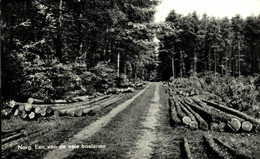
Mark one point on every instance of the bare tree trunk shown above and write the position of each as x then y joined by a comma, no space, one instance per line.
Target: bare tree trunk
195,63
238,49
118,64
181,64
59,42
173,72
215,64
39,36
209,63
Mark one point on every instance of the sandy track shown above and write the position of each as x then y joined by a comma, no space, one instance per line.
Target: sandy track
144,146
89,130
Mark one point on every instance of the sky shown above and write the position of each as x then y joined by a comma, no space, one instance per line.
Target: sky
217,8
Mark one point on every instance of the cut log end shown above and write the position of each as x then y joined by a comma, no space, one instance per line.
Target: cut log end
70,113
247,126
222,126
43,112
12,103
57,113
194,125
30,100
78,113
214,127
234,124
28,107
16,112
32,115
37,110
186,120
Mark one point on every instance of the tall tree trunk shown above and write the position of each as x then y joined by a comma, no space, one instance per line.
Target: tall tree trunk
209,60
233,61
181,63
238,50
118,64
253,58
59,41
173,72
195,63
215,63
39,36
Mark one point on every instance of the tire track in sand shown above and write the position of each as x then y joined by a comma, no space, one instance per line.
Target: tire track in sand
90,130
144,146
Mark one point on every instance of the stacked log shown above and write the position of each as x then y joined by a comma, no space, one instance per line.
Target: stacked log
6,113
184,118
214,127
239,115
84,110
234,124
202,123
247,126
222,126
205,114
30,111
193,123
199,114
173,112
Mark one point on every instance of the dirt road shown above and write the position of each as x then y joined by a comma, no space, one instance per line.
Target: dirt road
128,131
137,126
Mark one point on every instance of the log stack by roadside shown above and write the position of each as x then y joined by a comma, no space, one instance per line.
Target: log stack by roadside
29,110
206,115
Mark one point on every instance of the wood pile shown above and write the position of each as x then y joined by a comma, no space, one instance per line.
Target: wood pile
120,90
87,109
206,115
35,108
30,111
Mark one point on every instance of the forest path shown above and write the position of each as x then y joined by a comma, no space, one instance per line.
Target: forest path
142,130
145,144
89,131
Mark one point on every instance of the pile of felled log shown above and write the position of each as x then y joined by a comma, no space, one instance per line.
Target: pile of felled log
29,110
206,115
89,108
120,90
35,108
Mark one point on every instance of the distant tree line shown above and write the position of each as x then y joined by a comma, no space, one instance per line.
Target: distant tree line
191,45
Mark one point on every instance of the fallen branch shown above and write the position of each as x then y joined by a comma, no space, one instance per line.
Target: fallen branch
4,132
13,137
187,148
